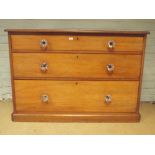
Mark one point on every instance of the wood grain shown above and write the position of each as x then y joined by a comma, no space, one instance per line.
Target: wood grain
89,117
62,42
148,86
76,83
91,31
76,65
141,74
75,96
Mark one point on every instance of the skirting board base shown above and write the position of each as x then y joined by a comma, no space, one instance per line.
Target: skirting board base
108,117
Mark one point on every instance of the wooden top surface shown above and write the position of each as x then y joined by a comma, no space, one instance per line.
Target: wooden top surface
93,31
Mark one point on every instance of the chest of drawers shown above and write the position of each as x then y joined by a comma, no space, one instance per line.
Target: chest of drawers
76,75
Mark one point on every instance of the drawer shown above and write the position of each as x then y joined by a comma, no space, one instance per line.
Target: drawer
49,65
79,43
75,96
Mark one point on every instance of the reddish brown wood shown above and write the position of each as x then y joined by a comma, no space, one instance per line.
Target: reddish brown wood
126,52
77,117
75,96
82,31
74,117
83,66
141,73
79,43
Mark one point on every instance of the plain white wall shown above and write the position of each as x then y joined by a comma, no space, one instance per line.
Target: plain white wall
148,86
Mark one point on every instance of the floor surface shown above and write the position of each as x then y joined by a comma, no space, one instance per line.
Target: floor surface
146,125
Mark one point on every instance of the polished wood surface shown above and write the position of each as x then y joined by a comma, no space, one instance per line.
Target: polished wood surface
76,65
74,117
75,96
91,31
141,74
62,42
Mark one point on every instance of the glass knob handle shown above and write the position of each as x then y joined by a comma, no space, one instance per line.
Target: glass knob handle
43,44
44,98
111,44
44,67
110,68
108,99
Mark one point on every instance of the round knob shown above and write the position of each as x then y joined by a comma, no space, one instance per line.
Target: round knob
110,68
108,99
44,67
43,44
111,44
44,98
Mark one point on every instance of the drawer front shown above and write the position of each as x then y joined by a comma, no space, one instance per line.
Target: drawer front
78,43
75,96
76,65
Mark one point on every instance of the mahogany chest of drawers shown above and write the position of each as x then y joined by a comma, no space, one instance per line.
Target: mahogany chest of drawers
76,75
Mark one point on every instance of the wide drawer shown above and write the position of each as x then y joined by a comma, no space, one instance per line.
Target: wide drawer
39,65
79,43
75,96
